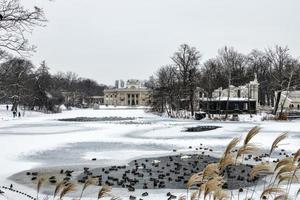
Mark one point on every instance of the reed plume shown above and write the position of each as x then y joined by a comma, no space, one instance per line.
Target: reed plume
227,158
225,161
40,182
232,144
58,188
69,187
260,169
288,168
283,162
195,179
294,175
213,185
254,131
220,195
288,177
87,183
211,170
201,189
104,190
277,141
296,156
271,190
247,149
194,195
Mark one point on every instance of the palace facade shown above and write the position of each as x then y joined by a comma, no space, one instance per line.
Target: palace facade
129,93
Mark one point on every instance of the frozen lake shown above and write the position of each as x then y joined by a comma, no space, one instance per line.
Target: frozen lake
43,140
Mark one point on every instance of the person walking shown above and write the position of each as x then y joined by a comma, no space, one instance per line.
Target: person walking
14,113
7,107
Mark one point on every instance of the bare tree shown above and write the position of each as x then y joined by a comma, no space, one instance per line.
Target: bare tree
281,69
15,22
260,65
17,80
234,65
212,78
276,71
187,60
168,83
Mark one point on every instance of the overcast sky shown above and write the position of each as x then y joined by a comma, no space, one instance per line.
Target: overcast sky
122,39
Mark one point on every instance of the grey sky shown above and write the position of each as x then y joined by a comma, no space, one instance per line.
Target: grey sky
121,39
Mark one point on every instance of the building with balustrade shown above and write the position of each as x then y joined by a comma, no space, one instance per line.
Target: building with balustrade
129,93
242,99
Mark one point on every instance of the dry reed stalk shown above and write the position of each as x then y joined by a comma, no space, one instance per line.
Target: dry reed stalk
220,195
288,168
195,179
282,197
212,185
296,156
294,176
70,187
211,170
278,166
260,169
232,144
289,177
277,141
283,162
247,149
40,182
254,131
225,161
297,194
58,188
201,189
194,195
87,183
104,190
271,190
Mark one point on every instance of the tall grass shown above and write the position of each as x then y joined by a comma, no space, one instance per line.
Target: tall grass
285,171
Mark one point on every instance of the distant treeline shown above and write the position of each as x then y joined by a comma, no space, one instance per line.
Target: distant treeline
174,85
21,83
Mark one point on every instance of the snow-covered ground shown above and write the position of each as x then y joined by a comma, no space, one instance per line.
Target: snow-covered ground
40,140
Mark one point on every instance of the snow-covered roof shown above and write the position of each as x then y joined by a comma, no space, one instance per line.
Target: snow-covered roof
230,99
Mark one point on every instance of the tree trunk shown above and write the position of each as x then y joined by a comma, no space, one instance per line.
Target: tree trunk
277,103
192,103
208,107
287,93
228,96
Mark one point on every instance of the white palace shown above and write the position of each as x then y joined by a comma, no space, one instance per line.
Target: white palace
129,93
